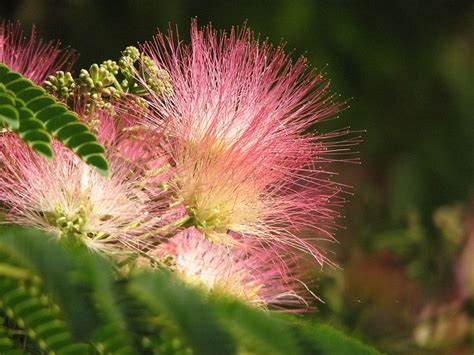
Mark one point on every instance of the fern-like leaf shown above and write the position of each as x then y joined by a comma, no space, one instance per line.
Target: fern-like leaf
37,117
113,337
260,333
40,320
7,345
69,301
59,272
323,339
184,308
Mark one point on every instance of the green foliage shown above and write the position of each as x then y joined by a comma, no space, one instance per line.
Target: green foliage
324,339
184,308
55,270
61,300
256,329
113,336
37,117
35,317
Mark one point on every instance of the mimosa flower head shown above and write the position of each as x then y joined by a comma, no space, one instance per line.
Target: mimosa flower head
71,199
250,274
30,56
237,127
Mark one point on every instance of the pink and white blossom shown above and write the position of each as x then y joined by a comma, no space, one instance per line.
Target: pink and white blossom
68,197
238,124
250,274
29,55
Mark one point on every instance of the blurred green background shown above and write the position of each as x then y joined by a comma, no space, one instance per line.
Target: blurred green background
407,67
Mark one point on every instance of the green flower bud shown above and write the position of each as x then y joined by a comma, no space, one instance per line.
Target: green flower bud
94,72
61,85
111,66
132,52
150,67
126,67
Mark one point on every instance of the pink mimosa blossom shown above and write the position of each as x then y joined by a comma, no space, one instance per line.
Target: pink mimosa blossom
29,56
244,272
237,128
69,198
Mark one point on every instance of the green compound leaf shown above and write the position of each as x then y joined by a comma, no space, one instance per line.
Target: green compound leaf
260,332
70,301
186,309
58,271
113,336
6,99
43,149
35,317
37,117
323,339
9,116
7,345
90,149
44,309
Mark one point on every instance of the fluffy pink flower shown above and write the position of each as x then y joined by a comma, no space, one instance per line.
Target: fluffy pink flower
237,127
243,272
29,56
68,197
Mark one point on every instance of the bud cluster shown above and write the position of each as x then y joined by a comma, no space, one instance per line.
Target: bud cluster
102,83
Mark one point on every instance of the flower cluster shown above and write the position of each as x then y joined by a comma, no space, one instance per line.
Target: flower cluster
214,175
110,80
